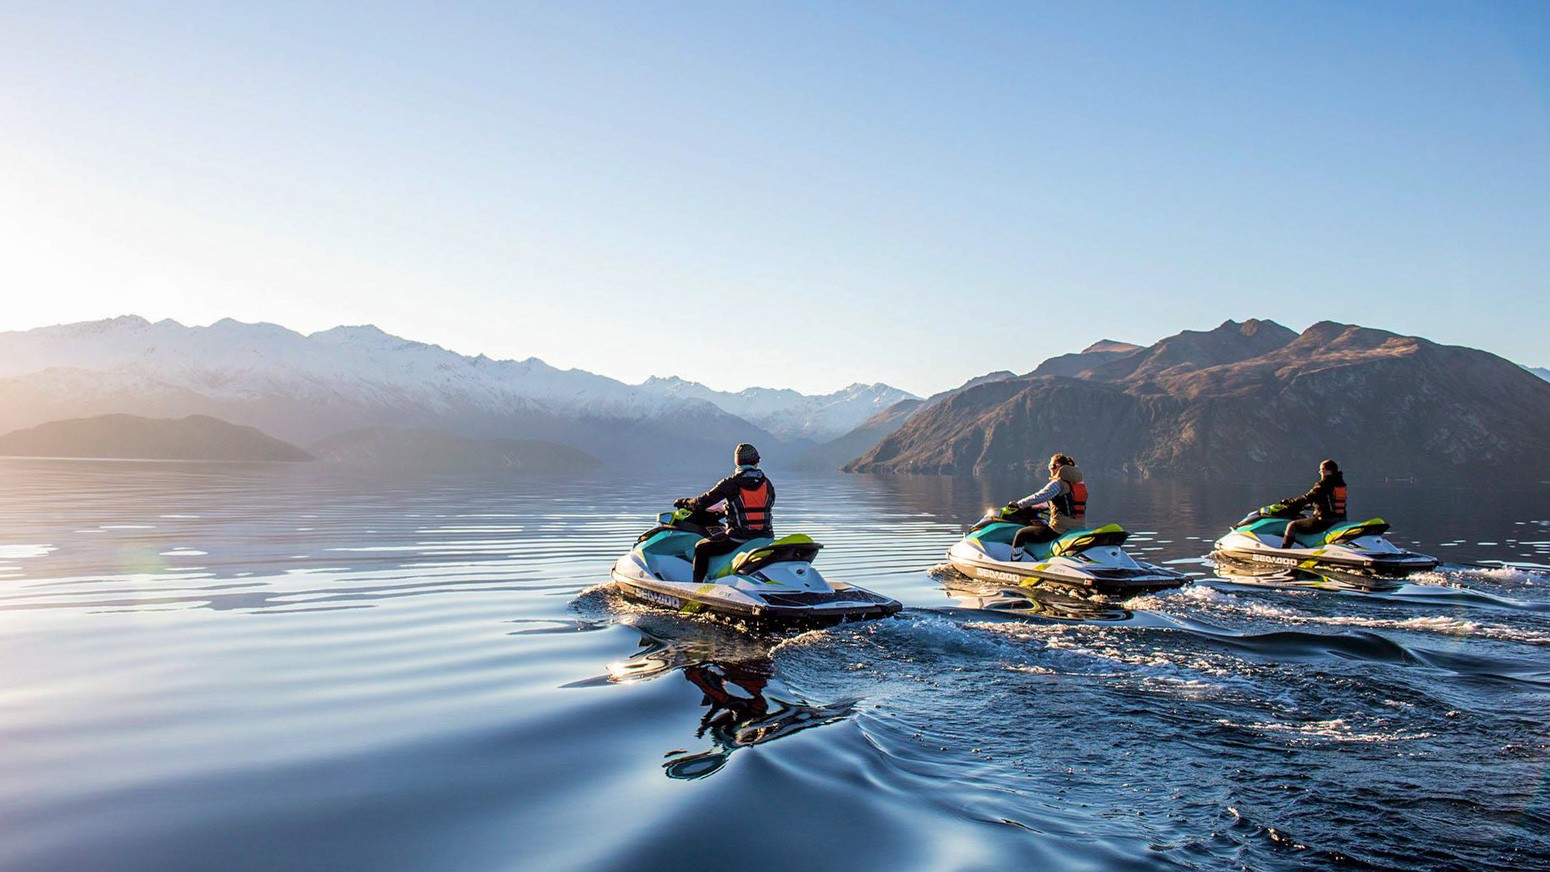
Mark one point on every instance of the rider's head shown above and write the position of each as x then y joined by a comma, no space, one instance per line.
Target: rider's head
745,455
1056,461
1328,467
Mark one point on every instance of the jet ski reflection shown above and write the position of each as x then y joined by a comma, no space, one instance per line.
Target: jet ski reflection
1315,578
746,703
1032,601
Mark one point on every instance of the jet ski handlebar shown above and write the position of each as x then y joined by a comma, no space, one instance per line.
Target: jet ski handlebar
1279,511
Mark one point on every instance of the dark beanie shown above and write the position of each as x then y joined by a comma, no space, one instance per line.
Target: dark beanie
745,455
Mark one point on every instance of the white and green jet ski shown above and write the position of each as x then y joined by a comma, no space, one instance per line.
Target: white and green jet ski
1088,561
1352,546
766,580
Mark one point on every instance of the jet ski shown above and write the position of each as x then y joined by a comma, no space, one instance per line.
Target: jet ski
1352,546
765,580
1087,561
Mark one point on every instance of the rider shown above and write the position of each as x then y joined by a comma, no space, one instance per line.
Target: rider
748,495
1327,499
1066,498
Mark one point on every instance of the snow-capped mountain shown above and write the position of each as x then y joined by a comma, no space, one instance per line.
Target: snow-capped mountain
1542,372
785,412
304,388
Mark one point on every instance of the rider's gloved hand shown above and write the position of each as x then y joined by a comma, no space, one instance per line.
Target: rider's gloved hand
681,503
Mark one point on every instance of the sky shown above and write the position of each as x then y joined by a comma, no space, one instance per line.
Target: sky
781,194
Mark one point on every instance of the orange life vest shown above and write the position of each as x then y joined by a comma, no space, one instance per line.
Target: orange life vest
1338,502
1073,503
750,509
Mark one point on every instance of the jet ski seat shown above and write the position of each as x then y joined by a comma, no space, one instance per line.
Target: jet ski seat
1354,530
757,553
1080,540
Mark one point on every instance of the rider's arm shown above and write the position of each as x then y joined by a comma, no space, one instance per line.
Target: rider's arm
720,491
1041,496
1305,500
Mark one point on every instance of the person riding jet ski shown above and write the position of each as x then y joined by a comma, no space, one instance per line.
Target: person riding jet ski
1065,498
1326,541
748,496
1054,546
686,562
1327,499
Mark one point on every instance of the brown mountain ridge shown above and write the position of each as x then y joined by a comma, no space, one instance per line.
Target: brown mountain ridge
1244,400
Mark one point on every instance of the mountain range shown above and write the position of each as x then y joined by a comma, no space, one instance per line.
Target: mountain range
196,437
1242,400
307,388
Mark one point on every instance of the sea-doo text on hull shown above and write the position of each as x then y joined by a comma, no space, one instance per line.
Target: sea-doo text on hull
1090,561
767,580
1352,546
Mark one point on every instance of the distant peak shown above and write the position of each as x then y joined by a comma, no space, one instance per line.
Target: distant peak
354,331
232,325
121,322
1103,345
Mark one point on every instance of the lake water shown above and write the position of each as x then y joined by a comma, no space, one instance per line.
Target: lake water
290,667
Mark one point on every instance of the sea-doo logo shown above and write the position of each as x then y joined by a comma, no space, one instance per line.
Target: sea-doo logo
658,598
997,575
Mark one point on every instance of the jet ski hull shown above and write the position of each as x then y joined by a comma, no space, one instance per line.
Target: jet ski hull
1322,578
1107,570
1369,554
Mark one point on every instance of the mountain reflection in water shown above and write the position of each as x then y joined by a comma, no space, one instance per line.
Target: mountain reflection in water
252,667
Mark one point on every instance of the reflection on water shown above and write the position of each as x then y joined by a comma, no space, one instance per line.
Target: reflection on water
1240,572
746,704
212,667
1036,600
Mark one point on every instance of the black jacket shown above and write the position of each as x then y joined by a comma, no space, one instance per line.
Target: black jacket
743,522
1322,498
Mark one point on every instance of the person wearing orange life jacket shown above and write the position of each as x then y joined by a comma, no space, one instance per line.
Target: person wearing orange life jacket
1053,510
748,495
1327,498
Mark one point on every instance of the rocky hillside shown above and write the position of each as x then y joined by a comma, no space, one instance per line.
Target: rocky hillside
1100,352
196,437
828,456
1247,399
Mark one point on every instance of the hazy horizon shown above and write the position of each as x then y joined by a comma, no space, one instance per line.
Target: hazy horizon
837,386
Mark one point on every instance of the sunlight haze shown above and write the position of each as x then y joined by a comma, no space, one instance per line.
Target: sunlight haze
801,195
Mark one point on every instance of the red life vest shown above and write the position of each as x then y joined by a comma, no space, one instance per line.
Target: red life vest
750,509
1073,503
1338,502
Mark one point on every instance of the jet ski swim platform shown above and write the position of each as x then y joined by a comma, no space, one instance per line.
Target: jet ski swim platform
765,580
1351,546
1086,561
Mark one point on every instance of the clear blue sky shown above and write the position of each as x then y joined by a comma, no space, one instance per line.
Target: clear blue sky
795,195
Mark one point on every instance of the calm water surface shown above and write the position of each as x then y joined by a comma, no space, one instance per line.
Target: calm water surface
287,667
